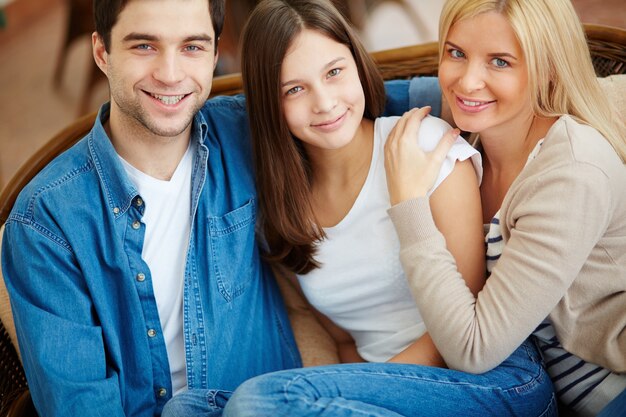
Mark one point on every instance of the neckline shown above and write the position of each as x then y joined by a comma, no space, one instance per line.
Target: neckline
358,202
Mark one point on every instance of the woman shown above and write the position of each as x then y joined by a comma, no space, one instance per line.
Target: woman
518,73
313,98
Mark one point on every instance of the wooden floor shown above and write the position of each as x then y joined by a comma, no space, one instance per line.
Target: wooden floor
32,110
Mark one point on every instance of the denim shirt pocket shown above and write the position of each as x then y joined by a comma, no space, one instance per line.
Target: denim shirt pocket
234,250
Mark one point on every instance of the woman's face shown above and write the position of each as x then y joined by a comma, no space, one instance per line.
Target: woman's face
322,96
483,76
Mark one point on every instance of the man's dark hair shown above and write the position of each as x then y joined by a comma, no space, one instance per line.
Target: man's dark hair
105,14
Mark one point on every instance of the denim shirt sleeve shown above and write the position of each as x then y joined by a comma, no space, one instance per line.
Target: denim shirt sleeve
61,344
403,95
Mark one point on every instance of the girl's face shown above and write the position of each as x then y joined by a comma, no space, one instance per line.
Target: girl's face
322,96
483,76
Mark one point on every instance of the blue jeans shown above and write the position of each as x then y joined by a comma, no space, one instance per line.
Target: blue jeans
518,387
197,403
616,408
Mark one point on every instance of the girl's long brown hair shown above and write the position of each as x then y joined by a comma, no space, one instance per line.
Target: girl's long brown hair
283,173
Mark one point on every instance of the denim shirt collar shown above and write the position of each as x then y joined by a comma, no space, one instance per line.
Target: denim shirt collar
118,188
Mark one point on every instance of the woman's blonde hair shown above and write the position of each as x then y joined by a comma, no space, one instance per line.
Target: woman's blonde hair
561,77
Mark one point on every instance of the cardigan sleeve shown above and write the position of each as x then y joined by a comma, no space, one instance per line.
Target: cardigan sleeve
554,220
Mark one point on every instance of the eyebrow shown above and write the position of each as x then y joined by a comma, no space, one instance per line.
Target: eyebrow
493,54
325,67
135,36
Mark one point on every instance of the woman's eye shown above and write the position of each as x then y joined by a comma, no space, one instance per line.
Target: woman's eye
500,63
455,53
334,72
293,90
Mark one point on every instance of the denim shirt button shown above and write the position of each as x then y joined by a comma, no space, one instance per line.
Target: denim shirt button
141,277
116,210
138,202
136,224
162,392
151,332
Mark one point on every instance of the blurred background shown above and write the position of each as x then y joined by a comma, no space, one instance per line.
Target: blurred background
48,78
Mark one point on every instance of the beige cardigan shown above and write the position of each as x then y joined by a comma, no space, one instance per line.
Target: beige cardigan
564,225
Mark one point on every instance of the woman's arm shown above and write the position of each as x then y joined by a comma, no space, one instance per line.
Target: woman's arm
552,237
457,213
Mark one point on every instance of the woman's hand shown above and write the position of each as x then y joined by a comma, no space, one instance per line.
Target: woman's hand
411,172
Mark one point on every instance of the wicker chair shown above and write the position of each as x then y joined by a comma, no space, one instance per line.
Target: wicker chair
608,49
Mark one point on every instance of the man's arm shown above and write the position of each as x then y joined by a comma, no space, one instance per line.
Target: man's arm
60,340
403,95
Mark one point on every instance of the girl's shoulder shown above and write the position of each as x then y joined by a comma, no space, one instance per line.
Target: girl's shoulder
431,130
430,133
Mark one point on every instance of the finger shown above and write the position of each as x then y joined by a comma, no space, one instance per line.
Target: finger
443,147
414,121
409,120
399,126
413,115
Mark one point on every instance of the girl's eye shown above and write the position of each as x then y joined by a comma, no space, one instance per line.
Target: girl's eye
455,53
499,63
293,91
333,72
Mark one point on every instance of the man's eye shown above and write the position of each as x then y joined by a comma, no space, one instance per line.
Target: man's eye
192,48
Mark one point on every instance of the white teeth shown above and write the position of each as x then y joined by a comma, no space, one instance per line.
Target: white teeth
169,100
472,103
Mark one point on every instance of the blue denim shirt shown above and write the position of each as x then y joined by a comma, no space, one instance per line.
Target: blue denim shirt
82,296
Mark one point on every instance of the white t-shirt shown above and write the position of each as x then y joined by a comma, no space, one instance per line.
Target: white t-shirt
167,218
361,286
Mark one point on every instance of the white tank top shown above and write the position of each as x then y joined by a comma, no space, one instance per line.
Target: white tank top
361,286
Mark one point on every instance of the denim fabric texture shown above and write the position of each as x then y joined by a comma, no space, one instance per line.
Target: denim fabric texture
197,403
518,387
82,297
616,408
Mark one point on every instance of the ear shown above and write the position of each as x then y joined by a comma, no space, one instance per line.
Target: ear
100,54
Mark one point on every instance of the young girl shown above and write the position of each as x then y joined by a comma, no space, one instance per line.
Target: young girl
518,73
313,97
321,180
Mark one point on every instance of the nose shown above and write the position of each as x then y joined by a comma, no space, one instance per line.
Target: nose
472,79
324,100
169,68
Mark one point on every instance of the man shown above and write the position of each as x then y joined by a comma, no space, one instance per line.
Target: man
131,259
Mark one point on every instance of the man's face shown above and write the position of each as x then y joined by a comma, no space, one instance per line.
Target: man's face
159,65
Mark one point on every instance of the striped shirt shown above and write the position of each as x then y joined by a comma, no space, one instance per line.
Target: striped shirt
574,379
